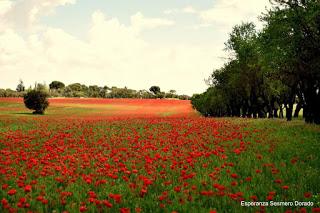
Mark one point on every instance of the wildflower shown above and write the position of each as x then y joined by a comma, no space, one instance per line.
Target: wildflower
124,210
307,194
5,186
83,208
27,188
12,192
107,203
285,187
233,175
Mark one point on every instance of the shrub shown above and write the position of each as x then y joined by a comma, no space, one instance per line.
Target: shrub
36,100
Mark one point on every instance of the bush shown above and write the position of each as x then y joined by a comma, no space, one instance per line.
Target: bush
36,100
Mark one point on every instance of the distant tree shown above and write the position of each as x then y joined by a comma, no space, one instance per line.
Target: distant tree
155,89
56,85
10,93
2,93
75,87
41,87
76,90
145,94
160,95
94,91
171,94
172,91
36,100
20,87
122,93
184,97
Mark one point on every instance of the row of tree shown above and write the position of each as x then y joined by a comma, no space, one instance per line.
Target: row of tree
59,89
272,69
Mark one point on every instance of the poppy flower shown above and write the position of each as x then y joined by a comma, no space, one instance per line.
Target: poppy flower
124,210
107,203
307,194
278,181
5,186
233,175
83,208
285,187
12,192
28,188
314,210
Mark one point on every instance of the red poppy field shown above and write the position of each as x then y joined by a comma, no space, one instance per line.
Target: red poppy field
122,155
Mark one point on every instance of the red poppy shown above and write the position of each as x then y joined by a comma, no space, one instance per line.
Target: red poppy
83,208
307,194
12,192
28,188
314,210
124,210
5,186
107,203
285,187
233,175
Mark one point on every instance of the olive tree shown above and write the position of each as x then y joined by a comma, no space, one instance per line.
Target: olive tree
36,100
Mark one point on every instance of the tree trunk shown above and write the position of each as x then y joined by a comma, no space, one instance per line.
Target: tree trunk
297,111
281,111
289,110
270,113
275,113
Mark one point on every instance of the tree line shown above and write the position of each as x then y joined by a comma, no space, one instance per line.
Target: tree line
271,70
59,89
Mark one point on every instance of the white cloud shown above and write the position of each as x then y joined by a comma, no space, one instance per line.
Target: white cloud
5,5
188,9
171,11
225,13
25,14
139,22
113,54
230,12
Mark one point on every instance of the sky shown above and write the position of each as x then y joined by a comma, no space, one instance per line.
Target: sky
133,43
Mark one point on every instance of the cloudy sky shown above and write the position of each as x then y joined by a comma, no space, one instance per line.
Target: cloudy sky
133,43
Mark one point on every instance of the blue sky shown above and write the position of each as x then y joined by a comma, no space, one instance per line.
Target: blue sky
136,43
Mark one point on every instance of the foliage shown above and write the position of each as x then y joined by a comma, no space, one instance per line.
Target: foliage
10,93
20,87
36,100
58,89
155,89
55,85
272,69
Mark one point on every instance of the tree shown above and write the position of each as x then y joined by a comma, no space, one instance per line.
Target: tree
42,87
75,90
172,91
155,90
56,85
271,69
20,87
292,45
94,91
36,100
241,87
77,87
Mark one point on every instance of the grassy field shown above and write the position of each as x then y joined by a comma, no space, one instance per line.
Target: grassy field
100,155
